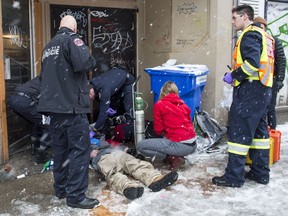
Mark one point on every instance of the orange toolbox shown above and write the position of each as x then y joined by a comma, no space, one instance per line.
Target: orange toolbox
276,136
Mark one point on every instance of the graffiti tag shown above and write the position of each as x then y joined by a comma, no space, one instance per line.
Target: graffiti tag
183,42
99,14
111,42
16,36
187,8
78,15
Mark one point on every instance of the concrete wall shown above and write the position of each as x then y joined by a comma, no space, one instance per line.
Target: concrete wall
197,32
154,42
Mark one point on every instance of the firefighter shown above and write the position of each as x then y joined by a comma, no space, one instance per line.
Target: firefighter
252,77
65,97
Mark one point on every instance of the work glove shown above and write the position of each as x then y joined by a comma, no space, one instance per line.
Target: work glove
228,78
92,134
111,112
279,85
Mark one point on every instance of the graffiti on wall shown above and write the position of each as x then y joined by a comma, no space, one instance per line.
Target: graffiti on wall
194,15
186,8
112,40
16,36
277,17
80,16
110,33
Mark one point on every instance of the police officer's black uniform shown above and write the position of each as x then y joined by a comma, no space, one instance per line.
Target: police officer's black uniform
65,96
24,103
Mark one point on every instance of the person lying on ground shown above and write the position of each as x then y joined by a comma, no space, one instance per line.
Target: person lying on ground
115,164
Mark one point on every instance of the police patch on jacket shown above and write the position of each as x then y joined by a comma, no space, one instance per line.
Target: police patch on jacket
78,42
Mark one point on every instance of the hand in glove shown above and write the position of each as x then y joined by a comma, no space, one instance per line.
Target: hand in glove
228,78
279,85
111,112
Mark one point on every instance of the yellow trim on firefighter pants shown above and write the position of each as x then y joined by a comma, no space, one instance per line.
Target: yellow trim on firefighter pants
237,148
260,144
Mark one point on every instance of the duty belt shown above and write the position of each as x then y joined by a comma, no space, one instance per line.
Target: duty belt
23,94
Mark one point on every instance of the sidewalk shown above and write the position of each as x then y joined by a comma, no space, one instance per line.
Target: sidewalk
193,193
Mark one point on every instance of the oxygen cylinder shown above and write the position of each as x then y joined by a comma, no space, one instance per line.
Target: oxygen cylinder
139,116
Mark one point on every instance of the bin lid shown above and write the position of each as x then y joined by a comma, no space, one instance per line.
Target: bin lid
180,69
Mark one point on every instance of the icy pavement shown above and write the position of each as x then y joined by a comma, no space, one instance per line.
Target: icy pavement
193,193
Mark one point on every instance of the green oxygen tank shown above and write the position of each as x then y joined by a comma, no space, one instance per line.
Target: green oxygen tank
139,117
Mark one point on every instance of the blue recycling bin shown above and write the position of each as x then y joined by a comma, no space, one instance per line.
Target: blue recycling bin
190,79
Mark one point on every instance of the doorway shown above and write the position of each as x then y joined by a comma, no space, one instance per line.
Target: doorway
17,64
111,35
109,32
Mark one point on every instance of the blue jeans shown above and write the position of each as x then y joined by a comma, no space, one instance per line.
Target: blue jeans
161,147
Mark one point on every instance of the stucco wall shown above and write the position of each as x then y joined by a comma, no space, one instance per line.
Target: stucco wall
197,32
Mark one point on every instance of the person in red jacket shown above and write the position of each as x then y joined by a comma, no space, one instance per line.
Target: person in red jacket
172,120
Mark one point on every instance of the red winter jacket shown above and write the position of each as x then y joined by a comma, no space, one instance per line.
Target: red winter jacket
172,119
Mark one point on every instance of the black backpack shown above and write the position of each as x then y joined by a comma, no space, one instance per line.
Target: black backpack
208,128
149,130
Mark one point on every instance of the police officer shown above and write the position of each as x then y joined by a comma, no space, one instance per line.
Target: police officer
24,102
252,77
65,96
107,87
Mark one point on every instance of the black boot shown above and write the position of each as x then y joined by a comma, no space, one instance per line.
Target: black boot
133,192
222,181
253,177
164,181
41,156
87,203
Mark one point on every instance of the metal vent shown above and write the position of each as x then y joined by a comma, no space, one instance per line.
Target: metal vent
253,3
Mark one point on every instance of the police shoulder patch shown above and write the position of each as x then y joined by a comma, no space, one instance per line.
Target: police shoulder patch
78,42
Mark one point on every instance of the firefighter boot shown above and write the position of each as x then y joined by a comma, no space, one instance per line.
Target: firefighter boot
234,172
222,181
261,180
